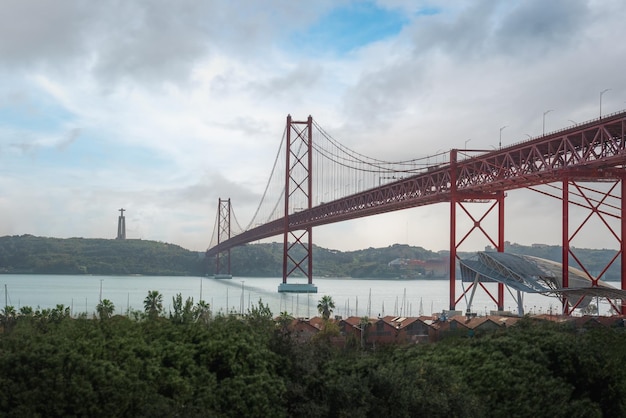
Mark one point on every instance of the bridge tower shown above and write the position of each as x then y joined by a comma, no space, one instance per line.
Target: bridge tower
460,200
298,241
222,258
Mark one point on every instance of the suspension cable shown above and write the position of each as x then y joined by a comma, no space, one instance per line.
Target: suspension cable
343,159
269,181
215,227
351,152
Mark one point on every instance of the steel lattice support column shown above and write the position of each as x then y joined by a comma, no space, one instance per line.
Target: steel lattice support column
565,243
222,259
597,203
458,199
298,243
623,240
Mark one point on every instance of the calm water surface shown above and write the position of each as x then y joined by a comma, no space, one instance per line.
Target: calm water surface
352,296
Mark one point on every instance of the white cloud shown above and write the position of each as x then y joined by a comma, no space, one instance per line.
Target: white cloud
163,107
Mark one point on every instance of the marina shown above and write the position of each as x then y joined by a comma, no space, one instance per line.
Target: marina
352,297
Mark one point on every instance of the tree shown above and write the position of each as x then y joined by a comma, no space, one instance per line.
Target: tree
26,311
153,303
283,322
285,318
202,312
59,313
325,306
183,313
105,309
7,317
8,312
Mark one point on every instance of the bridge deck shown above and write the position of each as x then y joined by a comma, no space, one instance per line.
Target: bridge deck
591,151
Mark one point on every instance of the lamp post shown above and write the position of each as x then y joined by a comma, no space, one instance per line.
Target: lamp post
380,179
544,121
601,93
466,141
500,143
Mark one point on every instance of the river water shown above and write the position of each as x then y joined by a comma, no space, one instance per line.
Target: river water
352,296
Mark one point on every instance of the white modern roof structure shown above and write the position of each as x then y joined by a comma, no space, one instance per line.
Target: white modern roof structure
527,274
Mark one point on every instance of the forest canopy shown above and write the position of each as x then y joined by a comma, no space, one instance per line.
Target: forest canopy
194,364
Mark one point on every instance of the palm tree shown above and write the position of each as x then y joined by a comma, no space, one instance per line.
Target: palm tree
325,306
26,311
105,309
59,313
7,316
153,303
202,312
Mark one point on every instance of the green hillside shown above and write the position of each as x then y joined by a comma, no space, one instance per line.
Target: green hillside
265,260
39,255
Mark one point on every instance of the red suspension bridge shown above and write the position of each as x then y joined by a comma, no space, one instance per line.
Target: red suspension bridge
316,180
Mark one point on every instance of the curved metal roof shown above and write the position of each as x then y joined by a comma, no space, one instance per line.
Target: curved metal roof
533,275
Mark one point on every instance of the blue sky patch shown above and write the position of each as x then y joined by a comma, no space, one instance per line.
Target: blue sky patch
36,113
352,26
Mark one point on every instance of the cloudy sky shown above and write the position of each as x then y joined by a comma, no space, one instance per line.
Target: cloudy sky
162,107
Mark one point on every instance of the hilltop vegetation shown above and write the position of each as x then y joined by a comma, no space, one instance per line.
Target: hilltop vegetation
265,260
38,255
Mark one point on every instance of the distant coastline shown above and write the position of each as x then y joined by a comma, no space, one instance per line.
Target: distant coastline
28,254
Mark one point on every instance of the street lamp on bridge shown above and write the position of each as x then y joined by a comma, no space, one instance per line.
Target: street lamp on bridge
543,132
500,143
601,93
380,179
466,141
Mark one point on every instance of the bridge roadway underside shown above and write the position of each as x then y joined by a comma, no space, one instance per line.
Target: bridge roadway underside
592,151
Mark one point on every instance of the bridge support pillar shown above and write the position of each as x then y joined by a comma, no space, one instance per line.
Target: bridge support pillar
461,200
601,205
298,241
623,240
565,244
222,258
